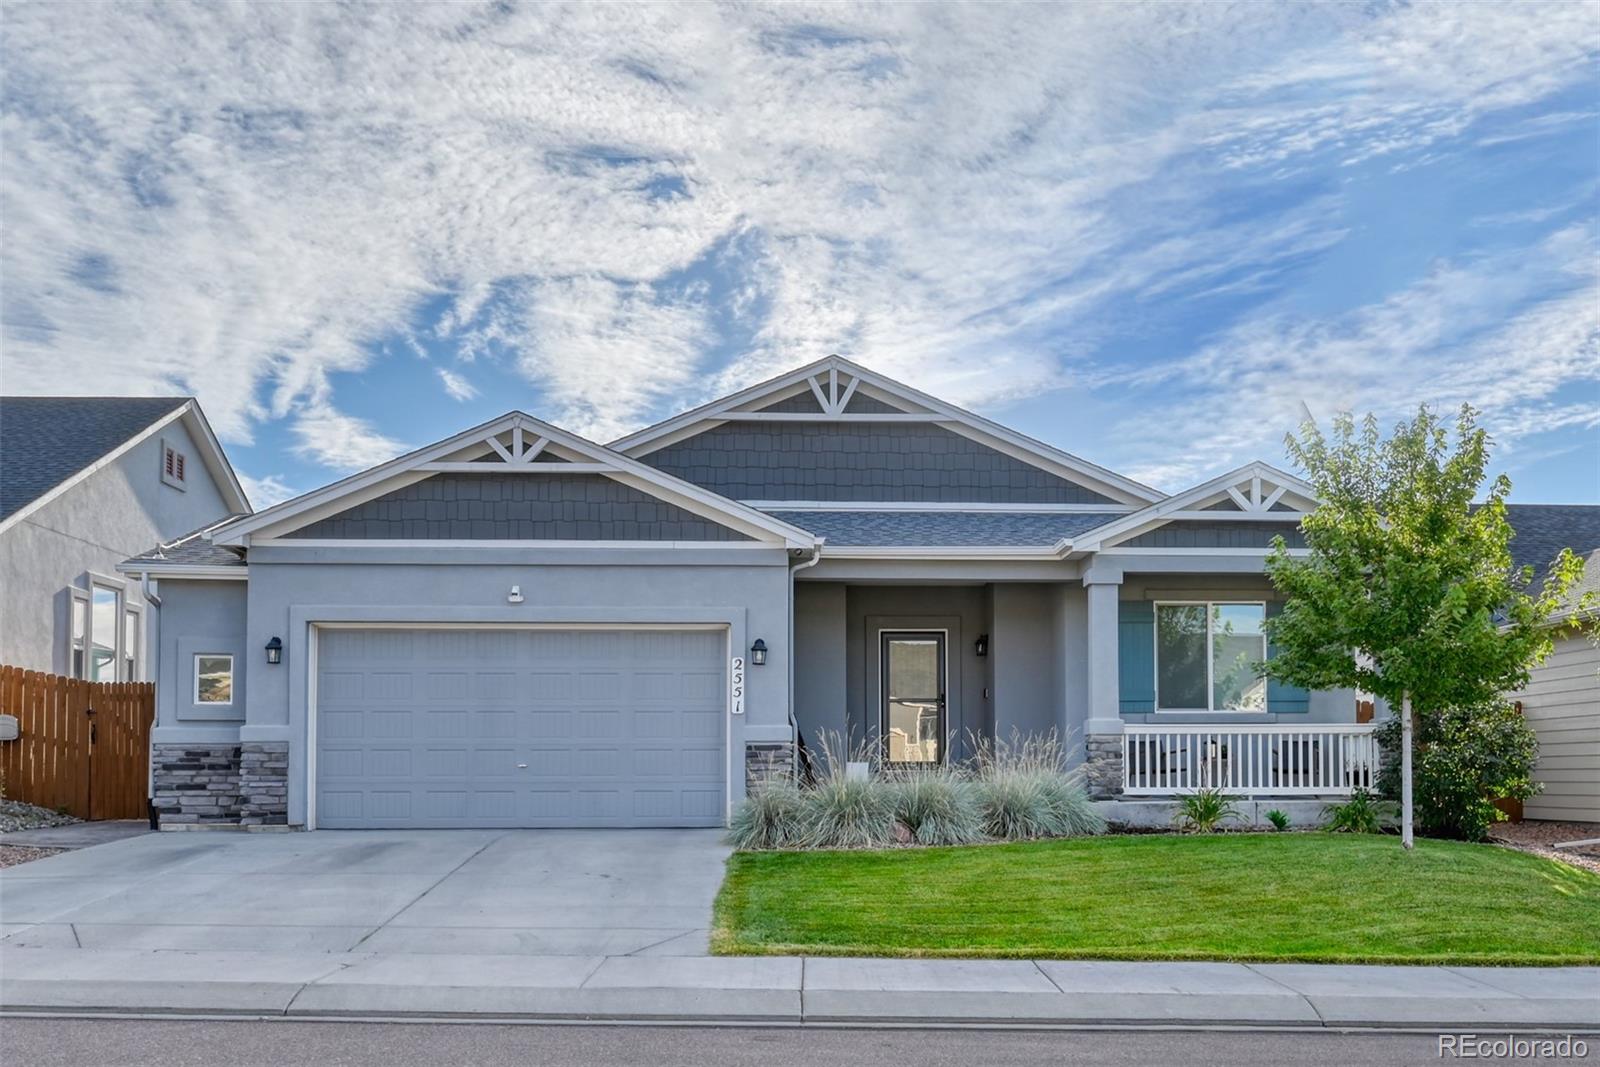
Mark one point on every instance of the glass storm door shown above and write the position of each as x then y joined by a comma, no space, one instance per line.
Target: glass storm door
913,673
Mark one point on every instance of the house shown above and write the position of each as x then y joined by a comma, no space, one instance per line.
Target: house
519,627
1562,699
85,482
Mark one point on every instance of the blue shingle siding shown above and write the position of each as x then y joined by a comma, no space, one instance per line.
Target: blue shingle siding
860,461
803,403
47,439
945,528
518,507
1217,535
861,404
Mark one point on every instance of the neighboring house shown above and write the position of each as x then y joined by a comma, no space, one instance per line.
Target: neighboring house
84,483
519,627
1562,700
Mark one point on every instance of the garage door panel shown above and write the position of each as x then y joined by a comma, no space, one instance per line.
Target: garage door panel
521,728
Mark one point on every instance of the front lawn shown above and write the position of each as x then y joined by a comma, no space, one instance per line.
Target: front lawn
1312,897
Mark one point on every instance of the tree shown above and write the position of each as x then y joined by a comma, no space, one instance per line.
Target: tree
1408,590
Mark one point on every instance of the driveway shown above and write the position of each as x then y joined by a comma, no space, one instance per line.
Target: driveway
531,892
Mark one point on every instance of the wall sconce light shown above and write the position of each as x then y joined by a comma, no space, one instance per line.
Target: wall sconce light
275,650
981,646
758,653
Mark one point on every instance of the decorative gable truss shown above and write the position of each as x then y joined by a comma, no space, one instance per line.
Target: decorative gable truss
515,446
834,390
1242,509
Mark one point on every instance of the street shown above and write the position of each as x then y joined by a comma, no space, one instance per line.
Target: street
48,1042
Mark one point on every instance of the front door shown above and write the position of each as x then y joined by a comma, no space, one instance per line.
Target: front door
914,723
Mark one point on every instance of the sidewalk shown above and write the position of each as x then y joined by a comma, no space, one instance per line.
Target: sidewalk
794,990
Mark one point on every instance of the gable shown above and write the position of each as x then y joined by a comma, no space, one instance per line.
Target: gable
1185,534
48,439
516,507
861,461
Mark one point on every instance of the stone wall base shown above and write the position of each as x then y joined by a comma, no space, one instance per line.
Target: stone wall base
196,784
767,761
1102,767
264,783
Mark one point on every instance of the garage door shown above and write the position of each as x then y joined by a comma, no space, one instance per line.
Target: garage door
529,727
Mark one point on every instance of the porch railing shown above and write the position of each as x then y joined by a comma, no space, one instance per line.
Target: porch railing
1249,760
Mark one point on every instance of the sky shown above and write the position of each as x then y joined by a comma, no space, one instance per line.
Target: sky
1155,235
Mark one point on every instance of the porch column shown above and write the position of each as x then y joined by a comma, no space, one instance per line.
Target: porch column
1103,729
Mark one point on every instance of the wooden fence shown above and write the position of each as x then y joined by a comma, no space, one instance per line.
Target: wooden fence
83,747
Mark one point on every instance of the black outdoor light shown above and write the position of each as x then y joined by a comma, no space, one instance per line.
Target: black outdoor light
275,650
981,646
758,653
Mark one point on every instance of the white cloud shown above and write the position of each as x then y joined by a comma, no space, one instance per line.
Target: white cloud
265,491
940,191
455,385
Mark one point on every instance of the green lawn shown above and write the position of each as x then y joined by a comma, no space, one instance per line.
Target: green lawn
1311,897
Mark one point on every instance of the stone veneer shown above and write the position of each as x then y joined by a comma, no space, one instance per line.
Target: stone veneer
1102,769
264,783
196,783
766,762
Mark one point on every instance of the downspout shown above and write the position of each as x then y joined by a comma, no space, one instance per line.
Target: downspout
152,631
795,568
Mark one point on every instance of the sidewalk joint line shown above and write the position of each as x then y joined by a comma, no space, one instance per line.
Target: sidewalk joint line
76,940
1054,984
592,971
1305,997
409,904
656,944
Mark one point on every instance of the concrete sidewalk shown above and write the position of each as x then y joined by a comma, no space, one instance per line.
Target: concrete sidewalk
794,990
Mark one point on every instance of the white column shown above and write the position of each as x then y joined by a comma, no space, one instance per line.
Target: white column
1104,712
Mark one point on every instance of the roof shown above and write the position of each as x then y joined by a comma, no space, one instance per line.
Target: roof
1543,530
45,440
193,549
942,528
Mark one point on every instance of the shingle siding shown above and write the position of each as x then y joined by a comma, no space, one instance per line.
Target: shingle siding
1217,535
519,507
963,528
860,461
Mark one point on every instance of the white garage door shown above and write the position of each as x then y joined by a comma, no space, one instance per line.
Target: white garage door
528,727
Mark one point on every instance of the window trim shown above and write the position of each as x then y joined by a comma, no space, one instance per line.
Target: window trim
195,684
81,597
885,635
1155,658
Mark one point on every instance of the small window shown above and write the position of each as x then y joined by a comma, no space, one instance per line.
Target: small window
130,646
213,678
173,466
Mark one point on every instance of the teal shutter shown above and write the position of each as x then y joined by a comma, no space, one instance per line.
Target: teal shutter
1282,698
1136,656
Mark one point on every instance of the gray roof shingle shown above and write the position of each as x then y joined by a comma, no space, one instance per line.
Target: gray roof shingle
193,549
44,440
944,528
1543,530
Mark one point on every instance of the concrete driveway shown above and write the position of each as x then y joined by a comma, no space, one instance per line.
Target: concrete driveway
529,892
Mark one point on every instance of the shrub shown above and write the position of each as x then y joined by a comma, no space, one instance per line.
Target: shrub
844,812
1278,819
1204,811
1360,814
937,806
770,817
1024,792
1464,758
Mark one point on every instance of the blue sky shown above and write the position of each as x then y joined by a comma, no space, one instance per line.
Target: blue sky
1151,235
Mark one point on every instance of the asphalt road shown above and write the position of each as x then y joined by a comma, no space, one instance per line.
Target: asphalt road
34,1042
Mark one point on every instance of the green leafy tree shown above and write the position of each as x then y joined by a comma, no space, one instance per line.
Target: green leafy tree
1408,590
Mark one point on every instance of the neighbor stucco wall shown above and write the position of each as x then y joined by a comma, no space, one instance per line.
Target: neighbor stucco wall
117,512
1562,704
287,598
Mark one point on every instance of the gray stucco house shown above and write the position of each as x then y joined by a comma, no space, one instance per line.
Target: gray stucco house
520,627
84,483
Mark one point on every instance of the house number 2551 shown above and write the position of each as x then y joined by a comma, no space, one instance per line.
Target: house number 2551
736,684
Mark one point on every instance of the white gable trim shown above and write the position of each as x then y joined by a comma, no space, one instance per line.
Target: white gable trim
1257,487
455,454
211,455
820,378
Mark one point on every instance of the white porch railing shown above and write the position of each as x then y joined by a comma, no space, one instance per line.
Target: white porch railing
1254,760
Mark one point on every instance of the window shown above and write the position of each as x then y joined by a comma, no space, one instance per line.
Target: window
130,646
105,607
80,631
173,466
213,678
1206,656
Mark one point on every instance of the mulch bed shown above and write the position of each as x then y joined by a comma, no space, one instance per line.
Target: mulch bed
11,855
1538,838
